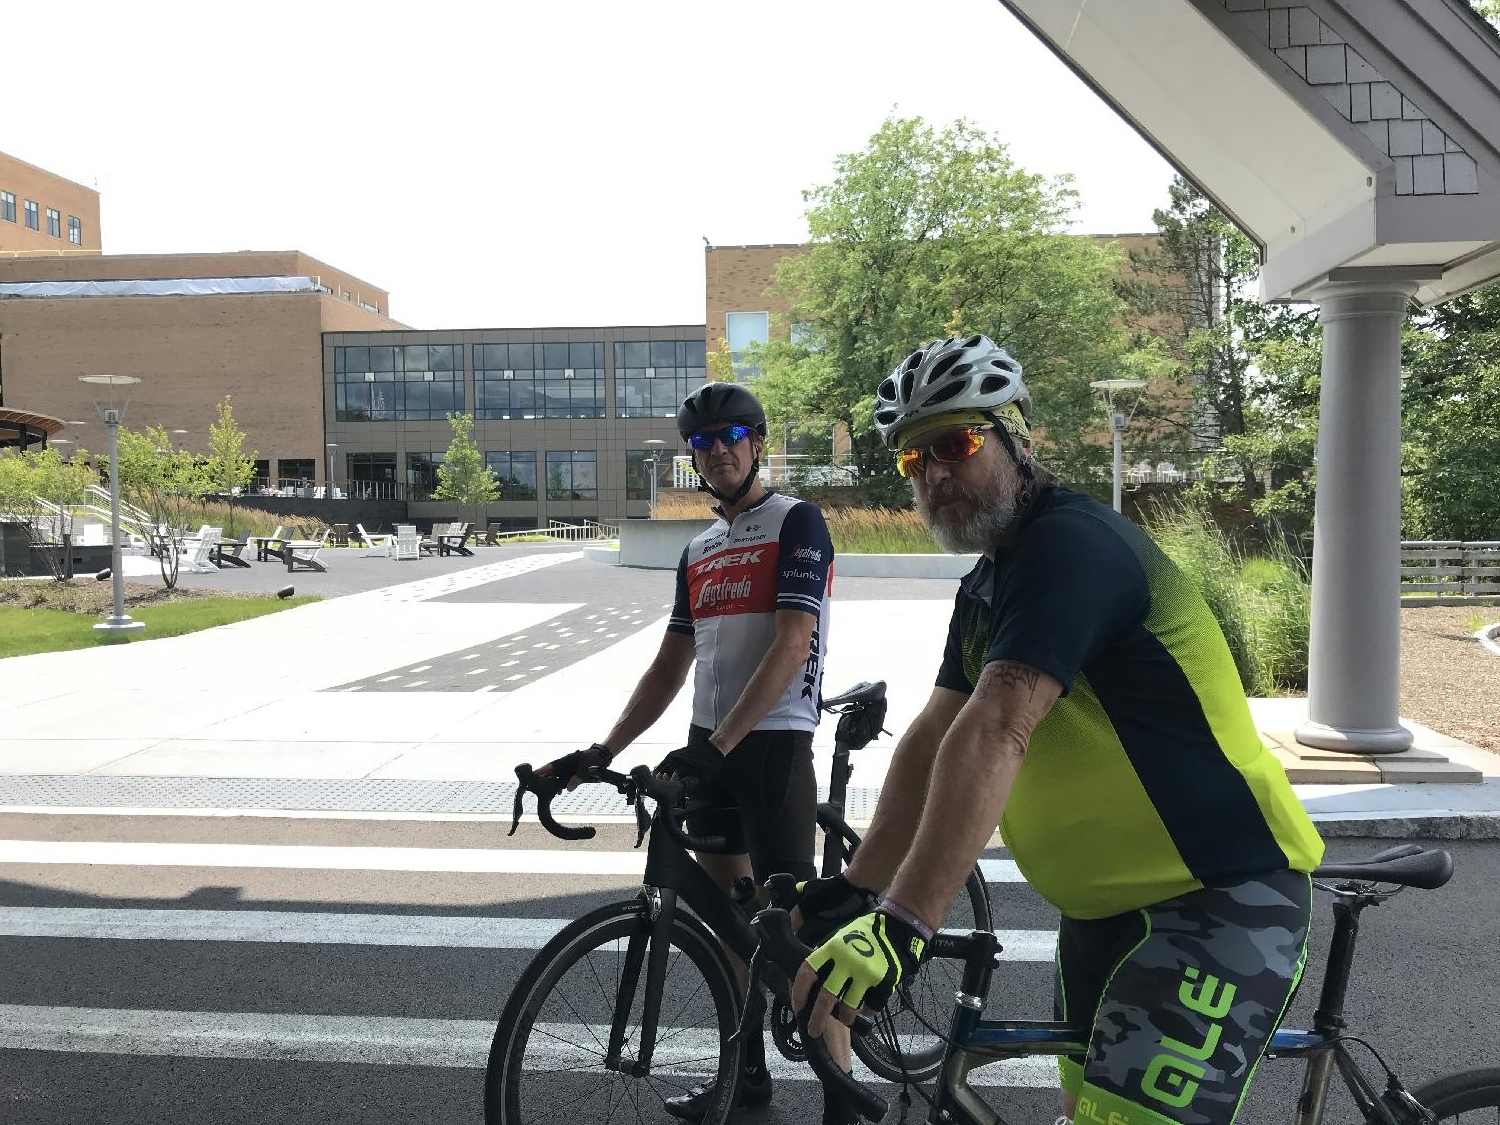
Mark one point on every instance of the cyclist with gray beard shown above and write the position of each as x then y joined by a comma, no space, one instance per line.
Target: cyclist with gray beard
1087,700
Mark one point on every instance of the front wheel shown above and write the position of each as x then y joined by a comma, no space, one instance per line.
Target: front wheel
906,1044
1470,1097
551,1059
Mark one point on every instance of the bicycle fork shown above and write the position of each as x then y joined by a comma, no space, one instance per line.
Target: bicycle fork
651,947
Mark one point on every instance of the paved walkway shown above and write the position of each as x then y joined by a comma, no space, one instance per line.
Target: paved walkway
405,694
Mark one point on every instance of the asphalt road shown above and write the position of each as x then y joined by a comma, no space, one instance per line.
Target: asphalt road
180,970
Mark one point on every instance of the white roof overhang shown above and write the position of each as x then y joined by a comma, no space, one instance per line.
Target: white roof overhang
1340,134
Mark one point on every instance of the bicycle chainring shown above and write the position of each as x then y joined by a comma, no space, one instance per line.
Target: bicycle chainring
784,1033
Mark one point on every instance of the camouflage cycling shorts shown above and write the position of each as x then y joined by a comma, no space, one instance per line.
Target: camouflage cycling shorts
1177,1001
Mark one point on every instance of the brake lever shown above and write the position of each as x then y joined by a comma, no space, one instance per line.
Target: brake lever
642,820
524,776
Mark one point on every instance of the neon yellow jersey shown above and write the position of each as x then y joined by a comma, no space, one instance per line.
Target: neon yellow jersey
1147,778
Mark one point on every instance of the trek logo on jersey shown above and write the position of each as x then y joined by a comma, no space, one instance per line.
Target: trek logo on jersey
712,594
810,672
728,558
813,554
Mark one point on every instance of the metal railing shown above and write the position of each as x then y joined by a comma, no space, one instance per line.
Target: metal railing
1451,569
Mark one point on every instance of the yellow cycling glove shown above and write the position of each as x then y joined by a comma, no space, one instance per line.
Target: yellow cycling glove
863,963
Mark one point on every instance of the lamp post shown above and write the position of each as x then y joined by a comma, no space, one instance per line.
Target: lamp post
332,447
119,624
1108,389
655,445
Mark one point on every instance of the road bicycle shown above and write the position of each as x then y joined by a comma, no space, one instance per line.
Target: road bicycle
974,1042
584,1037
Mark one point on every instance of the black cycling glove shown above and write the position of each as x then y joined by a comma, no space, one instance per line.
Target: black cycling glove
575,764
696,759
828,904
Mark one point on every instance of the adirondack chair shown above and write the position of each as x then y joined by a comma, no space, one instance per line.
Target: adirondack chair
407,543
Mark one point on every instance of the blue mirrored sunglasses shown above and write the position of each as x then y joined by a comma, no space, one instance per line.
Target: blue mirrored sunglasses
731,435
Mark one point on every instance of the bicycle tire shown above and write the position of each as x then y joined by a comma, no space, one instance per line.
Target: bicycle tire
918,1052
546,1060
1457,1097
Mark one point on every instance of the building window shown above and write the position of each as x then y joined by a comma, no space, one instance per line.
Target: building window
386,383
7,206
652,377
562,380
32,221
516,472
741,329
75,230
572,474
421,474
295,470
638,472
54,223
372,476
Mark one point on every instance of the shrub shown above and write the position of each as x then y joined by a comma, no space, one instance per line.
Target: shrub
1263,603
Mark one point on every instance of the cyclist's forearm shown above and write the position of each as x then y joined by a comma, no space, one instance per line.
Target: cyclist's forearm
897,811
971,781
648,703
786,658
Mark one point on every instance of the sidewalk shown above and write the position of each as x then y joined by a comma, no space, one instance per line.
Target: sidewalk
420,697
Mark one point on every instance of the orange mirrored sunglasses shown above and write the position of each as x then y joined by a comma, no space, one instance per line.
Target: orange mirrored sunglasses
953,447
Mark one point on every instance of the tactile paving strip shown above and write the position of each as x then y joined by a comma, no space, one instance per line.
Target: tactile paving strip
321,795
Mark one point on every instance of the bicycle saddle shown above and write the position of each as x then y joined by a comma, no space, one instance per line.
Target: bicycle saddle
863,692
1406,865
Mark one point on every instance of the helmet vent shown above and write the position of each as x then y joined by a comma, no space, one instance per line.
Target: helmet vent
943,394
906,382
993,383
942,367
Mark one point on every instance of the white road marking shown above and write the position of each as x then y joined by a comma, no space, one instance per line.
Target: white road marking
471,656
419,668
1000,871
325,928
416,683
388,679
477,672
384,1041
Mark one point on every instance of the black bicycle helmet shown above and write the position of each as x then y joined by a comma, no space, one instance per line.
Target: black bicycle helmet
720,404
713,406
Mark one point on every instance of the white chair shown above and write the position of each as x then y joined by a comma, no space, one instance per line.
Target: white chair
302,554
407,544
380,543
199,550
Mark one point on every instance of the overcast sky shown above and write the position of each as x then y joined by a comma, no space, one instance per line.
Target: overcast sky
508,164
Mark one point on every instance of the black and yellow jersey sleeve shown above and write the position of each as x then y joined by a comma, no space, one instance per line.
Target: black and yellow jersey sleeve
1147,779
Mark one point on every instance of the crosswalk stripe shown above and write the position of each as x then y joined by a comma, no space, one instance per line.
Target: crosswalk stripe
518,861
310,928
372,1040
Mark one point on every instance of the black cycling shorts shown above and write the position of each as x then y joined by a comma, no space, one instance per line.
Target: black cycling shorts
1177,1001
764,801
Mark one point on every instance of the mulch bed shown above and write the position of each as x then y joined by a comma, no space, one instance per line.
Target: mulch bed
1449,681
97,599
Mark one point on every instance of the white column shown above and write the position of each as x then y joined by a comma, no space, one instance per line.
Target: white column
1355,659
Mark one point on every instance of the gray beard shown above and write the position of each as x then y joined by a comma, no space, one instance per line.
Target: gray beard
974,534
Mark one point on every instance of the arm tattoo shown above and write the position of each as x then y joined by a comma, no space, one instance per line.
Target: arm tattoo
1011,674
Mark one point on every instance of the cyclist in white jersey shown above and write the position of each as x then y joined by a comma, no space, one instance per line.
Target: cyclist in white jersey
750,618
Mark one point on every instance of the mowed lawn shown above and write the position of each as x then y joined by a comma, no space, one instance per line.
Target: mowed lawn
27,631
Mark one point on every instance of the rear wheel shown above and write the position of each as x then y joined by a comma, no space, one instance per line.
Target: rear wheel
1470,1098
907,1032
549,1058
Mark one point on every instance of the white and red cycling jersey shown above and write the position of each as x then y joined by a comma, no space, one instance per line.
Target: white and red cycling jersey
730,582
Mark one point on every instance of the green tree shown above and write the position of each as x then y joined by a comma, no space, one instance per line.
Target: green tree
463,477
229,467
43,491
167,483
1450,416
1247,373
927,234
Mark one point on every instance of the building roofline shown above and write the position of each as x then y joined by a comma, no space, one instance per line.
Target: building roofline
50,172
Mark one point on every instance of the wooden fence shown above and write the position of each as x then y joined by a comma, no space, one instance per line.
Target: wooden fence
1438,571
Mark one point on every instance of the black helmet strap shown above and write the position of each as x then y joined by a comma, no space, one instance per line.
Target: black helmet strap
1027,470
739,493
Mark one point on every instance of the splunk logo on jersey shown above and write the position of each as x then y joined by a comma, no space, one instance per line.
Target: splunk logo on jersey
812,554
712,594
728,558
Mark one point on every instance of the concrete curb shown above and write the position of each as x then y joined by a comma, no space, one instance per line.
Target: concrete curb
1489,637
1419,826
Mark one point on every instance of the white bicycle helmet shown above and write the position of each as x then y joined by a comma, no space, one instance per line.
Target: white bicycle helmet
970,373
